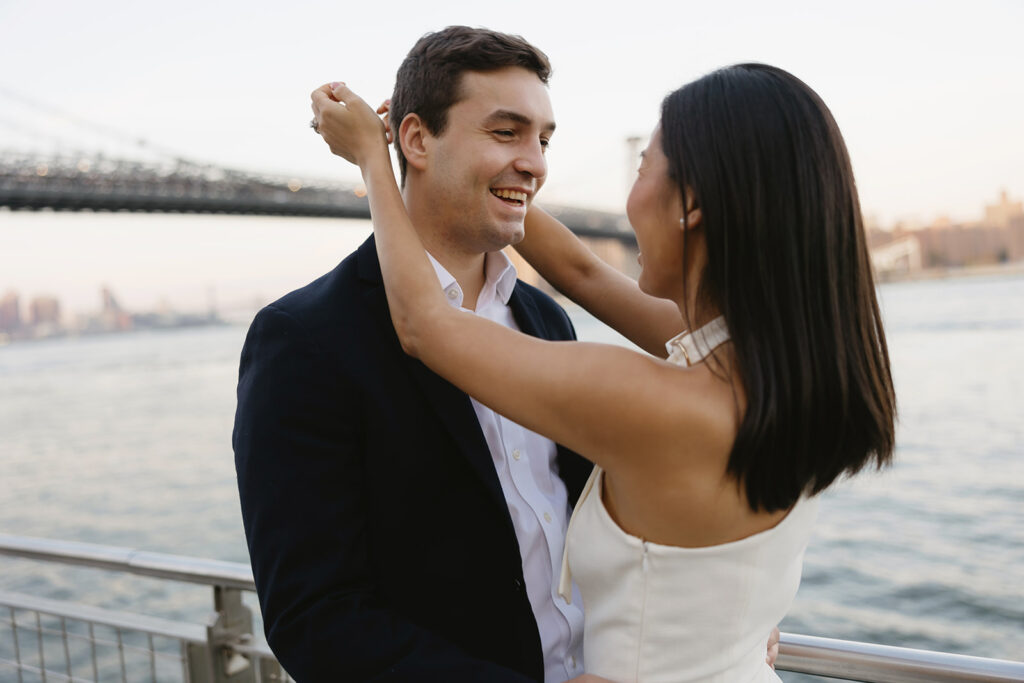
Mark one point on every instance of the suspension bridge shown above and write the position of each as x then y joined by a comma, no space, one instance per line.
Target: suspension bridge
158,180
99,183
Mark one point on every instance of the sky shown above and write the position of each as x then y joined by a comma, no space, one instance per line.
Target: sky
929,96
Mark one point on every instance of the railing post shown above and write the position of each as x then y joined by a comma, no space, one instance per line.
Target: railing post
229,625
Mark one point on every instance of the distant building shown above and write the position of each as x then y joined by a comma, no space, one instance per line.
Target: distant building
1015,242
44,317
112,317
44,310
1001,214
10,312
110,304
998,238
900,256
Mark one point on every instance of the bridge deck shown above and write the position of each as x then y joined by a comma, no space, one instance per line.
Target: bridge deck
66,184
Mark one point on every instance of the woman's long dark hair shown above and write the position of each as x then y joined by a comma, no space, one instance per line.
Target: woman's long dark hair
788,267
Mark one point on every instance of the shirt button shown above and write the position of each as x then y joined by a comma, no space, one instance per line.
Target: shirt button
547,516
516,454
453,293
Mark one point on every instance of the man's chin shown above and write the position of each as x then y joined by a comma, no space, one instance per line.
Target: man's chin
505,235
517,236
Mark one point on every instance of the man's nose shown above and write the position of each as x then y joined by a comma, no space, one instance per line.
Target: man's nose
531,160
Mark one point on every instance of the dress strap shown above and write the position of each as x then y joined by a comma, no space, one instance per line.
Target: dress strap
688,348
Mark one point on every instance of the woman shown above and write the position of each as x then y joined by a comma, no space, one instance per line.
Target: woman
688,540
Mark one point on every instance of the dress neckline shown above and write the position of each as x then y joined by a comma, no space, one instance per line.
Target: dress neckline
597,489
804,511
688,348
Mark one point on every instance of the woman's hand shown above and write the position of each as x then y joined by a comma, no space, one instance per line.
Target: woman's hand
348,125
385,114
773,647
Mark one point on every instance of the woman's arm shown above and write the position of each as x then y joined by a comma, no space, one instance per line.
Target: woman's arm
610,296
353,131
602,401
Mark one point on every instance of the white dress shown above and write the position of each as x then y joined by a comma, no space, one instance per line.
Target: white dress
660,614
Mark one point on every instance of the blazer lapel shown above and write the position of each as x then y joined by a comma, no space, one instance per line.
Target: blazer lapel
526,314
452,406
455,411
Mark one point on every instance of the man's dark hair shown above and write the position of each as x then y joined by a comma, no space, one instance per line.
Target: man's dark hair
788,267
429,81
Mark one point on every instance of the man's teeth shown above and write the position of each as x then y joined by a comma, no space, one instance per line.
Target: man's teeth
510,194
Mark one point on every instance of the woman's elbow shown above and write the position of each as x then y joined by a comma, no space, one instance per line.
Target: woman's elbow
422,326
408,334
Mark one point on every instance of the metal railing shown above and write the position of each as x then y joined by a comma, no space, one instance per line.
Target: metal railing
137,647
854,661
65,641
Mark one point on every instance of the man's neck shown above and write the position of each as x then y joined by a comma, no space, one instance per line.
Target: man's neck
465,265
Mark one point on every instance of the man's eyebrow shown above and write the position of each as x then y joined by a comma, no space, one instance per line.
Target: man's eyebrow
502,115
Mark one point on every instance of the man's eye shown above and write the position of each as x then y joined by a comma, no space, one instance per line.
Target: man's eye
504,133
545,143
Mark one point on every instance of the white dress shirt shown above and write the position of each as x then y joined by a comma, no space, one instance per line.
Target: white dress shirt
536,496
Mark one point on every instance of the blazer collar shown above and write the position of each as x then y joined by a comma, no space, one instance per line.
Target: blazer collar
502,269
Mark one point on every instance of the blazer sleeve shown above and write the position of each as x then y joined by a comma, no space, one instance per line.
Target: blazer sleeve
298,443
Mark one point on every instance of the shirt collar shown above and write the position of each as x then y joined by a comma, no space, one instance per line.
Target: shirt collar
499,280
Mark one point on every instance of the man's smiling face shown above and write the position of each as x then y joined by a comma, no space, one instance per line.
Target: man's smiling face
486,166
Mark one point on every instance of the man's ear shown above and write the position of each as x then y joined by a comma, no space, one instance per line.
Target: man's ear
412,134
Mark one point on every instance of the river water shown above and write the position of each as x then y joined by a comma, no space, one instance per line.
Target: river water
125,440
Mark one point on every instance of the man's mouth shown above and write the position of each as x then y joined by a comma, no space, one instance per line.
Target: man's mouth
513,197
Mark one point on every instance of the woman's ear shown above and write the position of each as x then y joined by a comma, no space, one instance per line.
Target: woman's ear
412,134
693,218
693,215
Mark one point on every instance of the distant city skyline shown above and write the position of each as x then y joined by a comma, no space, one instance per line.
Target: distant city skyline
42,317
172,259
929,95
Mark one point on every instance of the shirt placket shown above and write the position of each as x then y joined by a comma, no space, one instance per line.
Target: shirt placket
552,526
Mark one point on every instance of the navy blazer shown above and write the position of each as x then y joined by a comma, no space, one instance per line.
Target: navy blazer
380,540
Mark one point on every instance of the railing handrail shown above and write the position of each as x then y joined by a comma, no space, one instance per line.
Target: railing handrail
857,661
139,562
157,626
842,659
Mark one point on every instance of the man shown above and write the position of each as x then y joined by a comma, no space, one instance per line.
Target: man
399,530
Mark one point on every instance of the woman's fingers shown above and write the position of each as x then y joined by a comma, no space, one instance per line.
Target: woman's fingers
773,647
343,94
328,89
347,124
329,113
385,112
338,93
322,98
